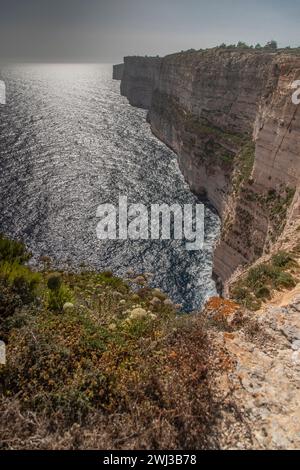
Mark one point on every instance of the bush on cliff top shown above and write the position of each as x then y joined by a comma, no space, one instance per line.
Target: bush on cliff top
269,46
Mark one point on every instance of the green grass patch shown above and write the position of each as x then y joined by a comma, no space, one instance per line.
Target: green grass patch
12,251
18,283
261,280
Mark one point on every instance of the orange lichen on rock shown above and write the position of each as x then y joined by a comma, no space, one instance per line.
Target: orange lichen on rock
224,313
173,355
225,307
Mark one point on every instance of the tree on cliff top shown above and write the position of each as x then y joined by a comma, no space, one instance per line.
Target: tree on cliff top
272,45
242,45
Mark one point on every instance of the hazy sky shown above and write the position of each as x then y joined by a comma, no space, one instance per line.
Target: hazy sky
106,30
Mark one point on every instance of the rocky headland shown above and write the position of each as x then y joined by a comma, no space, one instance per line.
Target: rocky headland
229,117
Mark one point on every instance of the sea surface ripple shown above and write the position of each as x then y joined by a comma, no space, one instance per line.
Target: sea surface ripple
69,142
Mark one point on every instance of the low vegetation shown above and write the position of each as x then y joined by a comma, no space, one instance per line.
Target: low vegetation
257,286
93,364
244,163
277,205
270,46
18,284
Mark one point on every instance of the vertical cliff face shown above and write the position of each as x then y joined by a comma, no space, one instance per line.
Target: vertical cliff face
229,117
139,80
118,71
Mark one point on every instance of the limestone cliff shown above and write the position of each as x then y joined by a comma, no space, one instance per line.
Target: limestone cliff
229,117
118,71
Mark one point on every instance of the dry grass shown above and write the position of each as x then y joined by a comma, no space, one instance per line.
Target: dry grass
164,400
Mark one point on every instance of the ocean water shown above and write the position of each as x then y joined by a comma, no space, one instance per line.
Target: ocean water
68,143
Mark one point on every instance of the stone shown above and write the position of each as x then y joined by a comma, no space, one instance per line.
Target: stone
291,332
168,302
296,299
296,357
275,310
156,291
118,71
229,336
296,345
122,302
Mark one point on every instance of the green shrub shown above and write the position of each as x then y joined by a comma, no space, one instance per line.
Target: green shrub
8,301
244,297
242,45
11,250
245,161
259,275
54,281
58,297
116,283
17,282
108,274
276,204
284,280
263,293
268,274
262,279
283,259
